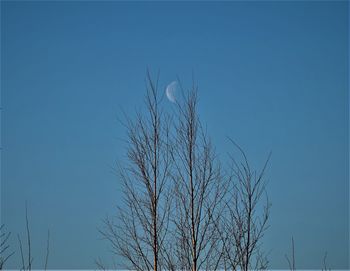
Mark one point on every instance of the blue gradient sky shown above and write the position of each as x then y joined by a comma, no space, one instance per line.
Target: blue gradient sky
272,75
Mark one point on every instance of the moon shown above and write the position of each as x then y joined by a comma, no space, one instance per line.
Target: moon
170,91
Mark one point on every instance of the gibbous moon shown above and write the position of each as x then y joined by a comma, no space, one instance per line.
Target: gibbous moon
170,91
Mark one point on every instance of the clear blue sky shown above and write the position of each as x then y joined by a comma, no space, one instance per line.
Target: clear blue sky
272,75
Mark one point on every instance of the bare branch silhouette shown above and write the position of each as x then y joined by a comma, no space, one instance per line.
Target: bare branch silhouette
100,265
199,190
244,224
28,260
325,267
21,251
291,262
142,226
26,265
47,249
4,246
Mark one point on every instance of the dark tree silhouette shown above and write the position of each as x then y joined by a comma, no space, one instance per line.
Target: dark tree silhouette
244,223
181,211
139,233
199,191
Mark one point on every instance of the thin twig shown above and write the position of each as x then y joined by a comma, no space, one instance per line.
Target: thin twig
47,249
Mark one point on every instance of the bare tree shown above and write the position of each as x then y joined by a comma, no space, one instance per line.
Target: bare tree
4,246
199,190
139,233
245,221
203,218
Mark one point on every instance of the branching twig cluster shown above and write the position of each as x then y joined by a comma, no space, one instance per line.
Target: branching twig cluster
4,246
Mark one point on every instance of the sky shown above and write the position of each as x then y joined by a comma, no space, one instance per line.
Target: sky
272,75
